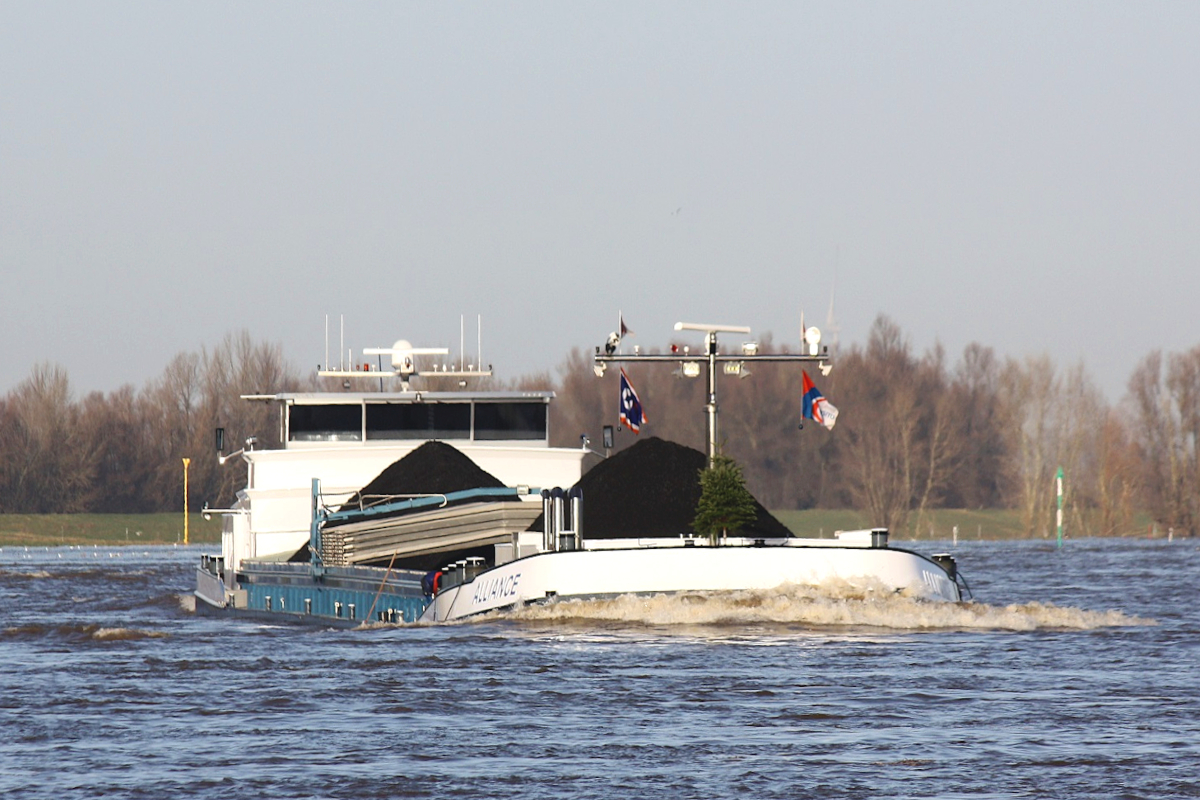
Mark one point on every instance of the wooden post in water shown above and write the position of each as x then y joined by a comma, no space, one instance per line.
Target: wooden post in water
186,461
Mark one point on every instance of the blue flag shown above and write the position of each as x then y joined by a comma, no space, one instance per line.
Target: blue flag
631,407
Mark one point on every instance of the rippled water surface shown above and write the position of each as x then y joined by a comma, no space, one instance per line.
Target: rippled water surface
1075,674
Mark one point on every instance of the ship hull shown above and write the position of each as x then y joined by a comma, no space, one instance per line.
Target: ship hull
356,595
588,574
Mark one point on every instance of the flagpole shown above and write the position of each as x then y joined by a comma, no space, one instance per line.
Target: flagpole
710,407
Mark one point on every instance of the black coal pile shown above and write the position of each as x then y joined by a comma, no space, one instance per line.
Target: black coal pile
433,468
651,489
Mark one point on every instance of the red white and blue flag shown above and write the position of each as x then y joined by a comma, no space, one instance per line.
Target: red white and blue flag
631,407
816,407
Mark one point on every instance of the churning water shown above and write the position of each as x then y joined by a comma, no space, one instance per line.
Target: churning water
1074,674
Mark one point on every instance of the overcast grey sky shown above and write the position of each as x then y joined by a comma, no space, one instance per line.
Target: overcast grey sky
1024,175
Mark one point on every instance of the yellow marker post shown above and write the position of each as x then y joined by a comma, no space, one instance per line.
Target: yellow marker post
186,461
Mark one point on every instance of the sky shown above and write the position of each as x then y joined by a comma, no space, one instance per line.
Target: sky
1025,175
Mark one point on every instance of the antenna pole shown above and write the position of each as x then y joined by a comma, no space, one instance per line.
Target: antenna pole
710,341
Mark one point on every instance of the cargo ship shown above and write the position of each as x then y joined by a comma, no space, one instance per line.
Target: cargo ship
434,506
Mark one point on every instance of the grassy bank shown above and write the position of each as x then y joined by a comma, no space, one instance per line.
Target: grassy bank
973,525
939,524
51,530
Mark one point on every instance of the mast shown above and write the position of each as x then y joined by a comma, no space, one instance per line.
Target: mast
733,363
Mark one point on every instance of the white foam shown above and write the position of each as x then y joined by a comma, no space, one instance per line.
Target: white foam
37,573
838,605
125,634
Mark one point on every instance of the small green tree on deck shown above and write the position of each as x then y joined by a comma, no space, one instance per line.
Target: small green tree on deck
725,503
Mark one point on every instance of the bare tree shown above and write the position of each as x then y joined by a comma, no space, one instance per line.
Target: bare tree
880,436
1080,413
114,429
1167,412
46,466
237,368
1119,478
1183,381
173,404
982,473
199,392
942,430
1058,423
1033,389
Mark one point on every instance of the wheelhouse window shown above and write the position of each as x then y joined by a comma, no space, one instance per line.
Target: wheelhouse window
418,421
484,421
331,423
500,421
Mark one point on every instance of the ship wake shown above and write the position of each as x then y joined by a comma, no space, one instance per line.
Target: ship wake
830,606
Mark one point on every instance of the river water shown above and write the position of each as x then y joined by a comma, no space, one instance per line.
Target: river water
1075,673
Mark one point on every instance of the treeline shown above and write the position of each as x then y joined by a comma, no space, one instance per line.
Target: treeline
123,452
916,432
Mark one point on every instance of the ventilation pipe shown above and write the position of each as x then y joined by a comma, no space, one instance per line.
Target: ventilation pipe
560,518
575,496
548,531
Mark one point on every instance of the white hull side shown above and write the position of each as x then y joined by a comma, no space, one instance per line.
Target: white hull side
606,573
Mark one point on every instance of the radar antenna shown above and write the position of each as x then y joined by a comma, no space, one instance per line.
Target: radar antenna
404,365
403,359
